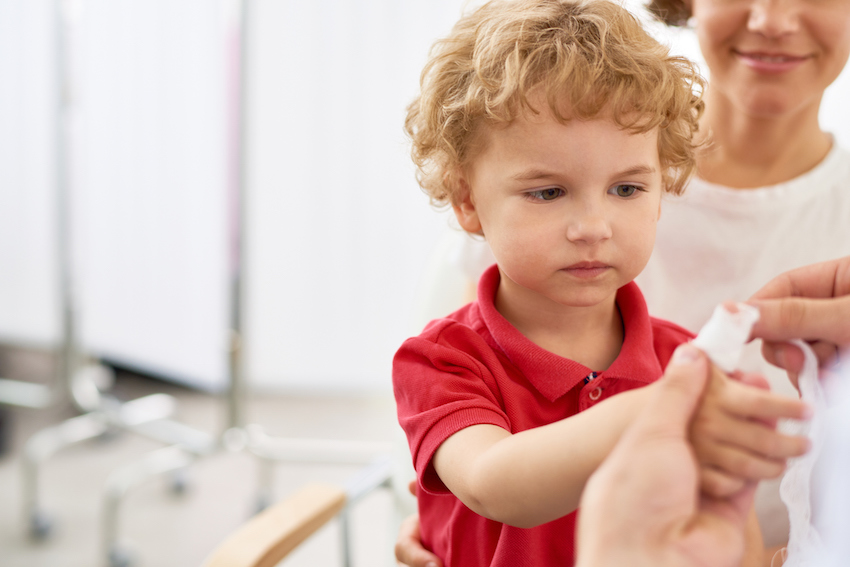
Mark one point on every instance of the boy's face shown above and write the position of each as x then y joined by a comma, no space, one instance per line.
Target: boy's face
569,210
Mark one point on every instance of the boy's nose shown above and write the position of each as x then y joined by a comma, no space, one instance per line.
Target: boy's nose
774,18
589,228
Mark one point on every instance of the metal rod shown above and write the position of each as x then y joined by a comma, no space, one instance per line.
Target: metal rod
345,536
236,51
66,10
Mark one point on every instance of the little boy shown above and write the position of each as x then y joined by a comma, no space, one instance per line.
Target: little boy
551,127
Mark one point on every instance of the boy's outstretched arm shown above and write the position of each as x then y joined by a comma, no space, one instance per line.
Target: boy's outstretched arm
535,476
538,475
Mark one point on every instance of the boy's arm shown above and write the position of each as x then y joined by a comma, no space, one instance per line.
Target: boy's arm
535,476
538,475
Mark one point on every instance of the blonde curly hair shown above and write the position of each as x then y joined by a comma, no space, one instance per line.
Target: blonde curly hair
592,54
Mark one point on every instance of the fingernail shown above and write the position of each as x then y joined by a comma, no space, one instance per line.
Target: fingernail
685,354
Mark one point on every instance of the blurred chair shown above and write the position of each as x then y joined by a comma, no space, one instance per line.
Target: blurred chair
271,535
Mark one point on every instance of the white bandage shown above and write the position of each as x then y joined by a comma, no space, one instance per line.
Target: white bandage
723,337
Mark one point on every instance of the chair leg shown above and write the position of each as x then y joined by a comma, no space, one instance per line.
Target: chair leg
345,537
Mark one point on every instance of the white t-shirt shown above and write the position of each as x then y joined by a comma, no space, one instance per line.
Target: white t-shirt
716,244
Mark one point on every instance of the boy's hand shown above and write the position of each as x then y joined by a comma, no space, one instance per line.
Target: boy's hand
734,432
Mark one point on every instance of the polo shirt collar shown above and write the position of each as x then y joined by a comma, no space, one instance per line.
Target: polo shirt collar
553,375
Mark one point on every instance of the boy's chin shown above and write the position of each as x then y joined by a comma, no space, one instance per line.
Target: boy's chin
586,298
590,302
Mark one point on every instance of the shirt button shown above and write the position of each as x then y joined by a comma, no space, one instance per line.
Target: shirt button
594,395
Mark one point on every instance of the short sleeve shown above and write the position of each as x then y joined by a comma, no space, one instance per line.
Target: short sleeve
444,382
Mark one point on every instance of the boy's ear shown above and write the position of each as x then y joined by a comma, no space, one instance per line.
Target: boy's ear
465,211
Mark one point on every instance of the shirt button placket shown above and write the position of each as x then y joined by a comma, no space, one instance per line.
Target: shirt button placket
596,393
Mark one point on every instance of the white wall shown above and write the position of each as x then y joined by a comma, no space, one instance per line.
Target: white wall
338,233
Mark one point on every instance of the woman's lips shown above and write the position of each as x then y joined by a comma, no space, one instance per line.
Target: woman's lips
770,62
587,270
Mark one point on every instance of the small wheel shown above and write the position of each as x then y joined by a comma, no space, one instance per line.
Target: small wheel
120,557
179,482
40,526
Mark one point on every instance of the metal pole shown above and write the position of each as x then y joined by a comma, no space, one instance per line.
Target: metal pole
66,10
236,50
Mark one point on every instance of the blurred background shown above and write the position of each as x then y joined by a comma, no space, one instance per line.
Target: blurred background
165,164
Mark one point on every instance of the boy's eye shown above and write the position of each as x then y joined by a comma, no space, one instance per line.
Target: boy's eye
625,190
546,194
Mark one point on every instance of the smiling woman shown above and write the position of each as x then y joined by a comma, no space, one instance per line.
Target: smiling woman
770,62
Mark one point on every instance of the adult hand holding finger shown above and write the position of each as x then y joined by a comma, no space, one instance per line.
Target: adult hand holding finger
812,303
642,507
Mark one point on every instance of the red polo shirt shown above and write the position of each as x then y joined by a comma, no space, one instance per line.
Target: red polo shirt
473,367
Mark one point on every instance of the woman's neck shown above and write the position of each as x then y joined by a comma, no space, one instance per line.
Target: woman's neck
747,151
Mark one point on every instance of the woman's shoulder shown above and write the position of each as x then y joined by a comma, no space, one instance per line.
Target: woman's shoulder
826,179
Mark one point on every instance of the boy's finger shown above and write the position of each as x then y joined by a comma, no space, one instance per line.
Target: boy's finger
754,403
753,379
718,484
762,440
740,463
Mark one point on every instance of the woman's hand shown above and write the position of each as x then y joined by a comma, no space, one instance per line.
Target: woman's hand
812,303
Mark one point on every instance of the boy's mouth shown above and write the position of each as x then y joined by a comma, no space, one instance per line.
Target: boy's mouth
587,270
